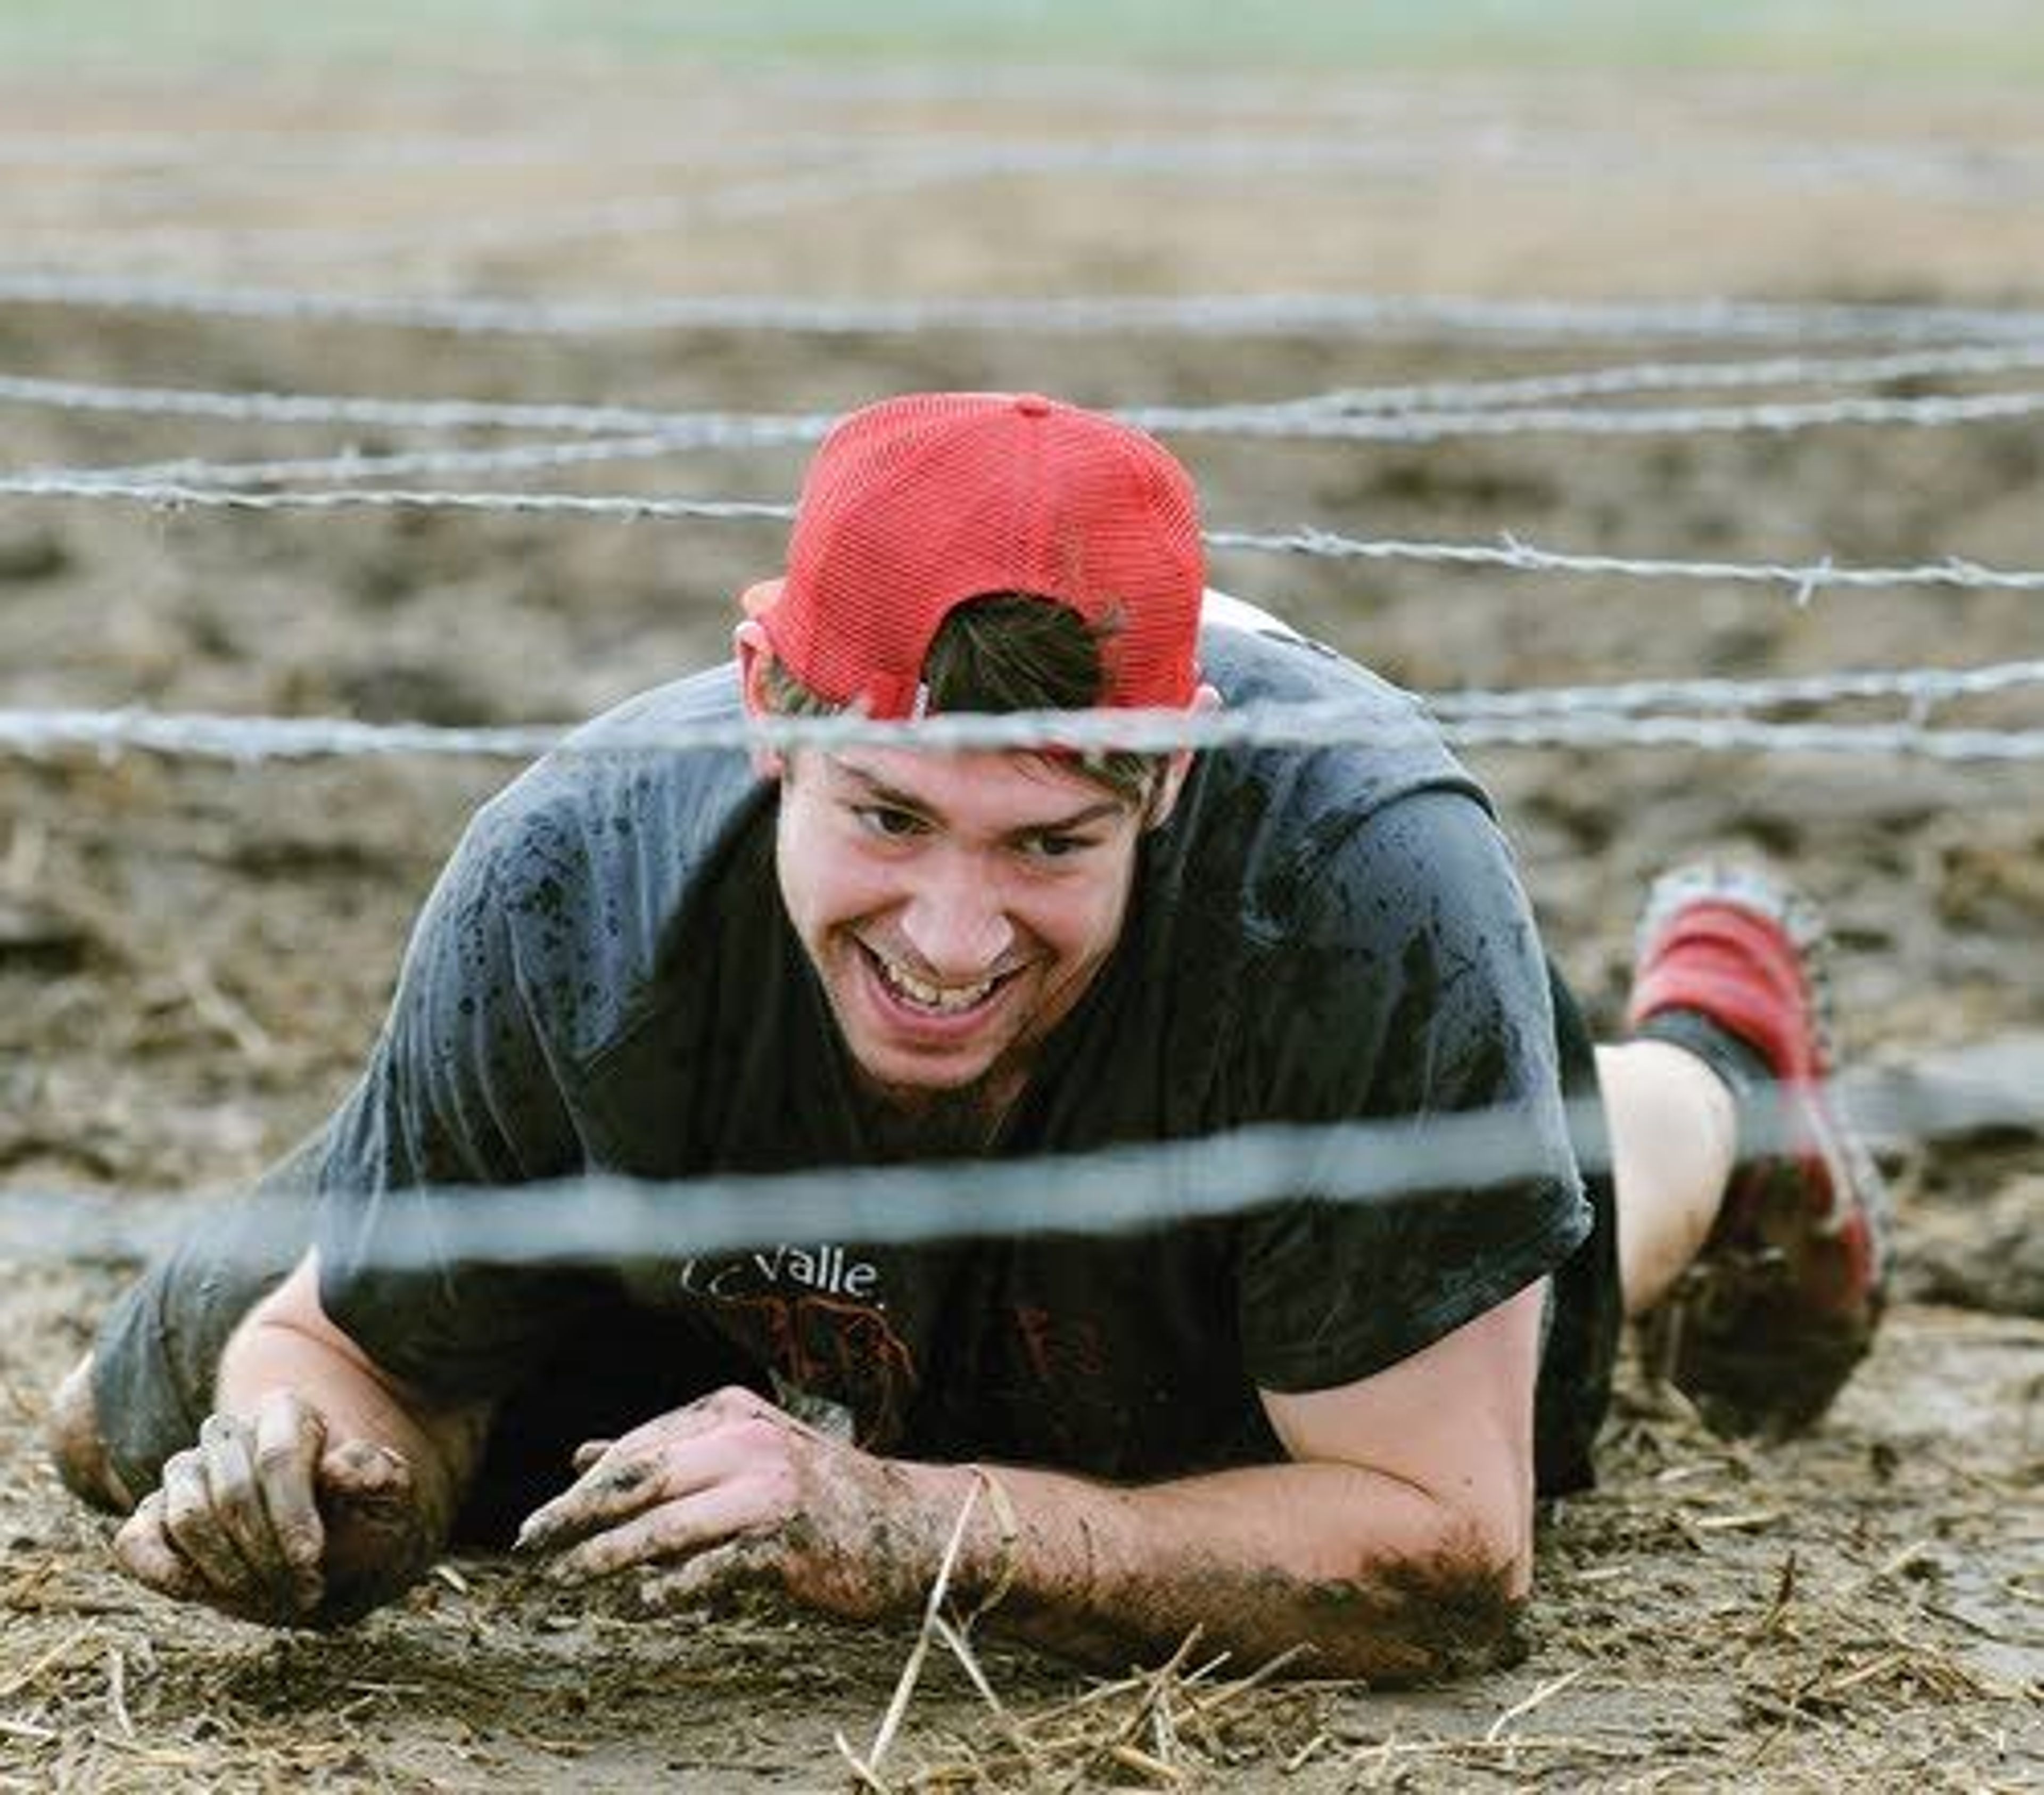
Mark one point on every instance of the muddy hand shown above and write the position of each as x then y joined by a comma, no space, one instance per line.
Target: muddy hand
379,1537
234,1524
730,1492
626,1483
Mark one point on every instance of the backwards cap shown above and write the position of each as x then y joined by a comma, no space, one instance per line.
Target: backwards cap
916,504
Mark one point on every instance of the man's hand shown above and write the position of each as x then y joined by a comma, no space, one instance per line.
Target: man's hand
729,1493
265,1520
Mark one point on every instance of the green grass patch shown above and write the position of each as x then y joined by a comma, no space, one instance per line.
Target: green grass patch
1873,37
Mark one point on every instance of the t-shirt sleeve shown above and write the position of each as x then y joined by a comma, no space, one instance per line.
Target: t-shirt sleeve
1415,992
460,1093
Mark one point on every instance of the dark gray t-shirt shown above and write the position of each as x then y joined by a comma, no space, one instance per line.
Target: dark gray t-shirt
605,979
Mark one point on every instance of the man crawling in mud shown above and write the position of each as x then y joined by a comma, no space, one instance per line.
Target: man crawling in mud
1315,1420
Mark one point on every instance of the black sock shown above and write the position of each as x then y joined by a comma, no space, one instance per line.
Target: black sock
1737,1064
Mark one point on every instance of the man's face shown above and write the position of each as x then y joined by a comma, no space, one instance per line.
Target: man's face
956,906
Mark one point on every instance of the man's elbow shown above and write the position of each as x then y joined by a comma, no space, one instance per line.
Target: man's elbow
1421,1618
1444,1603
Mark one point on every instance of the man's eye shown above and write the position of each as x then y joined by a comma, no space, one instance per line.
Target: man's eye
884,821
1057,846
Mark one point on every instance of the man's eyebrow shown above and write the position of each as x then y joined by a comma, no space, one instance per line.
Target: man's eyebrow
878,788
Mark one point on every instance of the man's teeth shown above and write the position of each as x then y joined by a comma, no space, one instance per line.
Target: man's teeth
932,996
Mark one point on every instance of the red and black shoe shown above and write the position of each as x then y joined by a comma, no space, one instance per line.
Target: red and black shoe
1765,1327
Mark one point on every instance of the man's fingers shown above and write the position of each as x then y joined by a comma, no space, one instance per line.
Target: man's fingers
143,1550
363,1471
374,1485
238,1511
192,1522
289,1436
669,1456
611,1490
677,1529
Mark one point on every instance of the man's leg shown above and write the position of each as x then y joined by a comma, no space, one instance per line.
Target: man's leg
71,1432
1674,1143
1751,1223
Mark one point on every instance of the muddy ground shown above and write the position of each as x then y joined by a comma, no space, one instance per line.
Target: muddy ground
193,956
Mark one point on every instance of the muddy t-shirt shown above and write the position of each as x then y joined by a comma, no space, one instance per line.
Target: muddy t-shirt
606,980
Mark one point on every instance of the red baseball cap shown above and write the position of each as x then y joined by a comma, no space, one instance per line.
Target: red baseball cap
915,505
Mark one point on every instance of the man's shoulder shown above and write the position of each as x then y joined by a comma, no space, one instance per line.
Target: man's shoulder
588,859
1375,740
1277,822
657,774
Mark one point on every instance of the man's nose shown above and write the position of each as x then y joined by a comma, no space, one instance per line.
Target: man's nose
956,921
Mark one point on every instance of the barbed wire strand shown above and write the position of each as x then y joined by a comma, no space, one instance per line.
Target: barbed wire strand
1804,580
1920,686
244,739
460,414
356,465
605,1219
1277,314
1775,371
173,497
1779,417
1744,735
713,431
396,413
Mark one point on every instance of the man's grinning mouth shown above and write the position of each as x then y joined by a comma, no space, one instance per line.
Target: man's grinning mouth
940,1000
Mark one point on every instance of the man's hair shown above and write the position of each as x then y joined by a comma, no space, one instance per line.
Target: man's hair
1007,651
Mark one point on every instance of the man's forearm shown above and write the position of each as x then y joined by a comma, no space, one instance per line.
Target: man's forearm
1376,1578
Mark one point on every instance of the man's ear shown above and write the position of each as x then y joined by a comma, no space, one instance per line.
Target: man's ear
749,644
1165,798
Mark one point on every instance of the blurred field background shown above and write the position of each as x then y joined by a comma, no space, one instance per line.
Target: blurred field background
195,956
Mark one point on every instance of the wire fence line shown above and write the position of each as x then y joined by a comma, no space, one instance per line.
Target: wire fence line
171,496
395,414
256,738
355,465
1780,417
1571,723
1274,314
1803,581
1919,687
462,414
602,1219
1738,735
1605,382
725,431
